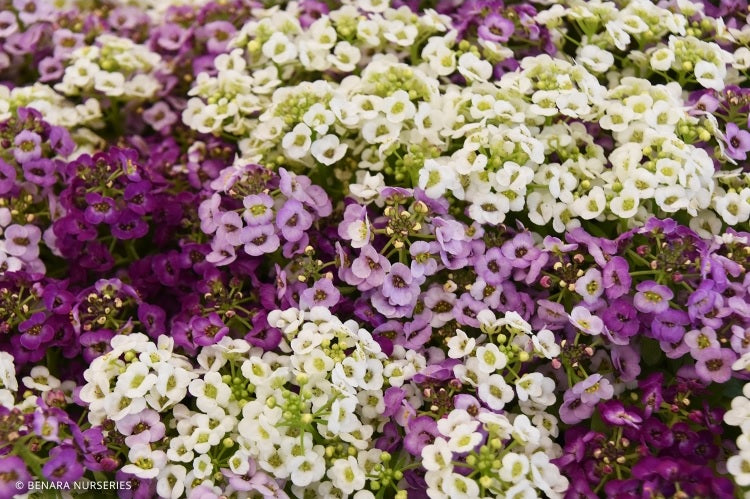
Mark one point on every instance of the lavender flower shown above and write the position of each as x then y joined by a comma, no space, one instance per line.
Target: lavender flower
652,297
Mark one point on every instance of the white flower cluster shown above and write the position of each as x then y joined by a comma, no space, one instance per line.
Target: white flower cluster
116,67
8,383
738,465
523,143
515,461
607,28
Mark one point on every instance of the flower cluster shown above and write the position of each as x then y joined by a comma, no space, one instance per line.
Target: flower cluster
370,249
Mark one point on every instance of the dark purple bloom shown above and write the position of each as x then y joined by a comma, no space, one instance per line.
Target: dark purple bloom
96,343
616,277
613,412
621,318
138,197
738,142
129,225
35,331
208,330
100,209
152,318
656,433
420,433
652,297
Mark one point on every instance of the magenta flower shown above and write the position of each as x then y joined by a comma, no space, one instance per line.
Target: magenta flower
420,433
652,298
129,225
208,330
614,413
100,209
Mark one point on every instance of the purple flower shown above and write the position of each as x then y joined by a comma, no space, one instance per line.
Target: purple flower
496,28
152,318
142,428
260,239
258,209
28,146
422,263
8,23
714,364
626,361
700,339
322,294
621,319
613,412
7,177
100,209
138,197
669,325
293,220
493,267
63,465
420,433
96,343
46,426
573,410
23,241
652,297
230,229
12,471
129,225
657,434
400,286
593,389
159,116
35,331
738,142
616,277
520,251
371,267
208,330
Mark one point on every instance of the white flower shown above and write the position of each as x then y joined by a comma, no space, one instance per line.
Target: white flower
7,372
738,466
437,176
544,343
398,107
460,345
491,358
328,149
171,482
210,391
457,486
319,118
529,386
463,438
591,205
626,203
40,379
144,462
474,69
710,75
515,467
437,456
279,48
111,84
202,466
495,392
662,59
297,143
308,468
346,475
345,57
596,59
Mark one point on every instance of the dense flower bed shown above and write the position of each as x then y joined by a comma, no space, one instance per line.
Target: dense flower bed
372,249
